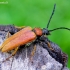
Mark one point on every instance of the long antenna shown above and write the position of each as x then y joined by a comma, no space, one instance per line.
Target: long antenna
51,15
59,28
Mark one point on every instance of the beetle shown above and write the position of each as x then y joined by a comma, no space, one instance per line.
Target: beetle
27,34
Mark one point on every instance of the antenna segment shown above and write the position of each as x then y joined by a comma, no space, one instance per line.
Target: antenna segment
51,15
59,28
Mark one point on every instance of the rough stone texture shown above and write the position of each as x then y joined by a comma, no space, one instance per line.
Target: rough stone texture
24,61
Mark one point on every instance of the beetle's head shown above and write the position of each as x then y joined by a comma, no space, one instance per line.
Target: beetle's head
45,31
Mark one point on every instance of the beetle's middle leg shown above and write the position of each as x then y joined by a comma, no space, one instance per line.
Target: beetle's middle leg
33,52
15,51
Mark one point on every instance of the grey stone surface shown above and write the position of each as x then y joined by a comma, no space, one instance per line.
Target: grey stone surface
24,61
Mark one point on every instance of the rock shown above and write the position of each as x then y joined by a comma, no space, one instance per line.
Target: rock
26,60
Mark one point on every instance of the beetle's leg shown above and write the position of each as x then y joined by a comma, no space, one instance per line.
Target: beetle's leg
44,39
44,45
15,51
8,35
33,52
19,27
49,45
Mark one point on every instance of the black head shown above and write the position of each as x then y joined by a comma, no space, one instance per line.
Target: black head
46,31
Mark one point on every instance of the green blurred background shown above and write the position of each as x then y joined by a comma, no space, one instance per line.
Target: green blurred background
36,13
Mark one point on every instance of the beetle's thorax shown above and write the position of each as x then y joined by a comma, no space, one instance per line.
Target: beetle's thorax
38,31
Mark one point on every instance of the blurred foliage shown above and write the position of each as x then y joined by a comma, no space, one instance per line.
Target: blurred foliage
36,13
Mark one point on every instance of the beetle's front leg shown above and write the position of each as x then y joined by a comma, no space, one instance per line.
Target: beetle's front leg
49,45
44,39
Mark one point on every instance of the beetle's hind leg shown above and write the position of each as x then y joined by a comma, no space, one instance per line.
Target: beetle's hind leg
15,51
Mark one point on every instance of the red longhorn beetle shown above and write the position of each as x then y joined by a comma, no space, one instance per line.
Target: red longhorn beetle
27,34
